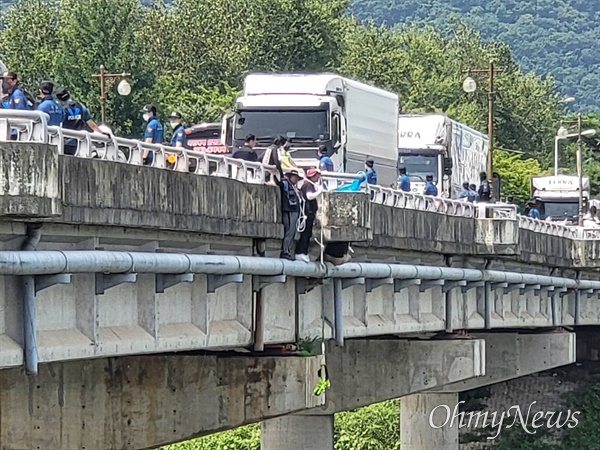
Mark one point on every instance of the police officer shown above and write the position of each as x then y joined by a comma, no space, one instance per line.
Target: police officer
16,97
49,105
77,117
179,138
403,180
153,133
430,188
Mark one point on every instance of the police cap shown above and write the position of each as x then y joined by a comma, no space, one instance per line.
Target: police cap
63,94
149,108
9,75
175,115
46,87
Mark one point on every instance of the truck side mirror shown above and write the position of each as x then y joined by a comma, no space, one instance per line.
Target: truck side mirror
448,164
336,130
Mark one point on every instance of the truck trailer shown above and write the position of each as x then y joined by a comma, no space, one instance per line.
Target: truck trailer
353,120
557,196
433,144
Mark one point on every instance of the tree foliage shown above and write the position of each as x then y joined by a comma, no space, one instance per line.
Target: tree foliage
515,173
557,37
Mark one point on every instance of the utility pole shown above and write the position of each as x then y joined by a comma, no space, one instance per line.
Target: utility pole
470,86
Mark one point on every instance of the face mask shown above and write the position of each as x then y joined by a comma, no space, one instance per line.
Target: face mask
6,86
173,124
146,117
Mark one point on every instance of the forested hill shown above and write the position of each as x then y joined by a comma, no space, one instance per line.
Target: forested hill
558,37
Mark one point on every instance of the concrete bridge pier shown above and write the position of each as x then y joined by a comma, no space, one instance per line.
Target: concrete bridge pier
298,432
429,421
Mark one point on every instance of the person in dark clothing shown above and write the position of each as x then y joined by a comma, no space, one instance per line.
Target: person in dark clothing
290,208
337,252
310,191
485,191
246,152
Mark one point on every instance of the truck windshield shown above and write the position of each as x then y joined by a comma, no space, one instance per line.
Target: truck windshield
560,210
267,125
419,166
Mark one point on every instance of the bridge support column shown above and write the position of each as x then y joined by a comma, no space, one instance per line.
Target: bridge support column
297,432
426,422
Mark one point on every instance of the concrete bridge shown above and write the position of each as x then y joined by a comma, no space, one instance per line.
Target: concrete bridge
144,280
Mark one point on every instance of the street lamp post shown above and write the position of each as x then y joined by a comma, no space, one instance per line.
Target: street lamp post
469,85
124,88
563,134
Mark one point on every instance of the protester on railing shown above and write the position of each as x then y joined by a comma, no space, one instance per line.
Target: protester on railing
246,152
290,209
271,157
17,98
285,158
50,106
404,180
310,190
370,172
153,133
430,188
325,162
485,191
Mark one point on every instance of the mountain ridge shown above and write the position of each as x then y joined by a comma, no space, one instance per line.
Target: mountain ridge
560,38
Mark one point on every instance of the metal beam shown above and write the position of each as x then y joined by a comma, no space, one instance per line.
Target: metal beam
105,281
166,280
404,284
214,282
429,284
529,288
349,282
496,286
374,283
260,282
305,285
45,281
513,287
449,285
472,285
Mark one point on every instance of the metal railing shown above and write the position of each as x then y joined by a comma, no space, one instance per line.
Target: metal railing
32,126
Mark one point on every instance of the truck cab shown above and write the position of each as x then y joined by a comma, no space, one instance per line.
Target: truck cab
353,121
557,197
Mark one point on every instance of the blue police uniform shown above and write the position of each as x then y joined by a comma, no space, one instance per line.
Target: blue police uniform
325,164
154,130
534,213
371,176
76,116
404,183
53,109
466,193
17,100
178,136
431,189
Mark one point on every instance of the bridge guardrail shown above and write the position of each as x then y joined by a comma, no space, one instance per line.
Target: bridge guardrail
32,126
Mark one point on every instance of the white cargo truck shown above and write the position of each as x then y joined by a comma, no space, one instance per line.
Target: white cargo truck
433,144
557,196
354,121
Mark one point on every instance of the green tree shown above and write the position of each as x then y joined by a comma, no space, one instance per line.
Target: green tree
426,70
29,39
515,173
104,32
